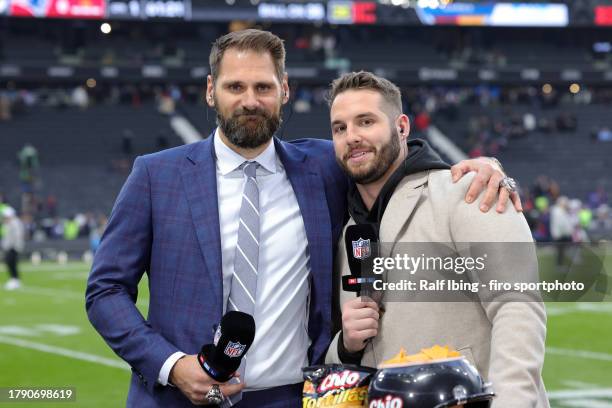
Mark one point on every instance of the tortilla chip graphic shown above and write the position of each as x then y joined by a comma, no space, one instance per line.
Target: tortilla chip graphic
429,354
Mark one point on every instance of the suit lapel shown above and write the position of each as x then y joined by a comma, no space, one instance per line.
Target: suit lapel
200,181
310,193
400,208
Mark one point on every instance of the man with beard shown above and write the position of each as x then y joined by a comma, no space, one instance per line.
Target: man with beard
404,191
239,221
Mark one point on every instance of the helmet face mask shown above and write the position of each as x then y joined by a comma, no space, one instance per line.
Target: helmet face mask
437,384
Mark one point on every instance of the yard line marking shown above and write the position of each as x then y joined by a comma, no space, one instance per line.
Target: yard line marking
557,310
78,355
77,275
592,355
37,290
579,384
29,268
19,331
40,330
592,393
582,398
586,403
59,329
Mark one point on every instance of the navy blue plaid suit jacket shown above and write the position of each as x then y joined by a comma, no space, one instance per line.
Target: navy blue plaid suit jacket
165,223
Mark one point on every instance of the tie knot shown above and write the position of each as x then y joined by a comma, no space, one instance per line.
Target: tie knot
250,168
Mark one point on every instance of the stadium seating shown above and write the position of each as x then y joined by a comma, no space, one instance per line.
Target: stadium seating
577,162
80,151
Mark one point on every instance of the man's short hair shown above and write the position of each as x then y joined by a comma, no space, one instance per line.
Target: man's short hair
361,80
248,40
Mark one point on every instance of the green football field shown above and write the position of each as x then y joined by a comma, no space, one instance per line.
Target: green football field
47,341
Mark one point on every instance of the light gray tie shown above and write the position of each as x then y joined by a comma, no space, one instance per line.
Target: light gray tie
243,290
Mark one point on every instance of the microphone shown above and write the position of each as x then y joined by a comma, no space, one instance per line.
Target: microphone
361,243
232,340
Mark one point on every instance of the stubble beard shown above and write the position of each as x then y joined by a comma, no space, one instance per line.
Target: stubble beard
379,165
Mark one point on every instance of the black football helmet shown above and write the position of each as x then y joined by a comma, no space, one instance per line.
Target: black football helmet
436,384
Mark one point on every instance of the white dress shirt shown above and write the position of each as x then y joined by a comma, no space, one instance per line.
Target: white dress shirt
279,350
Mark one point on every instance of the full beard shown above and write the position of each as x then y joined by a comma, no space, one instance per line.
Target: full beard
249,134
378,166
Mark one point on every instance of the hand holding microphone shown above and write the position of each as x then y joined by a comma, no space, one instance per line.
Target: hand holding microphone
360,315
194,383
359,323
197,376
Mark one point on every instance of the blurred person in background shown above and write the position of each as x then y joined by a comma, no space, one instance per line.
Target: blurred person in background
604,134
585,219
597,197
3,205
5,107
166,105
28,167
601,227
575,208
561,226
13,242
96,231
127,143
80,98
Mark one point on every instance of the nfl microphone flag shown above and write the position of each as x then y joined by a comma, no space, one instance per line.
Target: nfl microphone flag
361,244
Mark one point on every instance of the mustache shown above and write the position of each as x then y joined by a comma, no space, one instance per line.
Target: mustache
251,112
360,147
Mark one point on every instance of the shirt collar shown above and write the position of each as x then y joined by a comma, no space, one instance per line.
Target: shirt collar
228,160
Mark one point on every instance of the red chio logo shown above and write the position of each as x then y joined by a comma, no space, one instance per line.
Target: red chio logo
339,380
388,401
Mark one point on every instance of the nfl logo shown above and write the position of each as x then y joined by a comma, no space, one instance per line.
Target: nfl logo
361,248
234,349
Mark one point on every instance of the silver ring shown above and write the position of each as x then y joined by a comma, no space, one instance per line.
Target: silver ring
214,395
509,184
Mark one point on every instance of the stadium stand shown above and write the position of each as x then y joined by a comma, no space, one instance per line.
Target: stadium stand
85,153
80,151
574,158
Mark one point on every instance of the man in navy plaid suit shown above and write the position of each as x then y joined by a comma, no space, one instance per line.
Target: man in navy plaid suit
177,219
